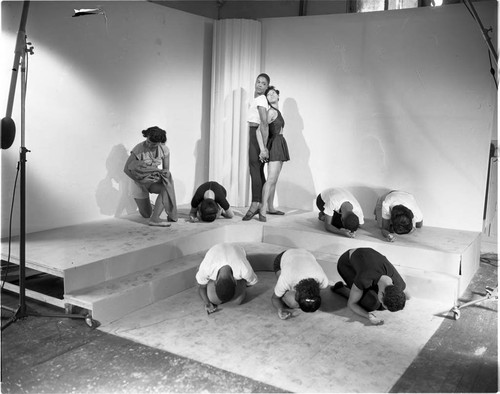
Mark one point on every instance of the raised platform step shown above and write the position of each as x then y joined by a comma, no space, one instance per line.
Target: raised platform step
115,266
118,297
453,253
115,298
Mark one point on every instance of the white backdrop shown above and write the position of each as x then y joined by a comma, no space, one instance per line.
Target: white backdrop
376,101
386,100
94,84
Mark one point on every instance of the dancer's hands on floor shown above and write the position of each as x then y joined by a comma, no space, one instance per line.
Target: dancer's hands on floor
284,314
374,319
389,237
211,308
349,234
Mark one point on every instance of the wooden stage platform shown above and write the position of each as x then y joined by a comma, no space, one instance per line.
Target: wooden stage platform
115,266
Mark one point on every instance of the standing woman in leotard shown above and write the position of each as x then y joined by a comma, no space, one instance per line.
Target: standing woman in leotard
257,151
278,153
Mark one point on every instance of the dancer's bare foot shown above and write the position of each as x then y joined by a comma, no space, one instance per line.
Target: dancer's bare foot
158,224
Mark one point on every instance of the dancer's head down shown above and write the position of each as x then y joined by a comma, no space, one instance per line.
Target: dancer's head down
208,210
394,299
351,222
401,219
225,284
307,295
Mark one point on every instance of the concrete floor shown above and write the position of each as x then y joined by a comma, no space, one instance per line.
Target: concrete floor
54,355
173,346
325,351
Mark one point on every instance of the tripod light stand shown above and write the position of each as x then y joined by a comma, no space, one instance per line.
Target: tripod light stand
22,51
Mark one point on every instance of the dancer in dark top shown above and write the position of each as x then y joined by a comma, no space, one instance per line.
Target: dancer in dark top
209,202
372,283
278,153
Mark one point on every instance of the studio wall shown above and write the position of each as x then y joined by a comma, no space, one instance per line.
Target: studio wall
384,100
387,100
94,82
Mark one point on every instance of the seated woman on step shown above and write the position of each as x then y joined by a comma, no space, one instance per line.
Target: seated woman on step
300,280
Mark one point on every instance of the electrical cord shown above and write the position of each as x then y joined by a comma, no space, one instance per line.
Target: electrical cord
4,279
10,228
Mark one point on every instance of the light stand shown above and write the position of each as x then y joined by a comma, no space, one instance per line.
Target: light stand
23,49
484,32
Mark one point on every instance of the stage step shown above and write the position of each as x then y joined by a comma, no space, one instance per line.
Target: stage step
148,256
115,266
118,297
434,253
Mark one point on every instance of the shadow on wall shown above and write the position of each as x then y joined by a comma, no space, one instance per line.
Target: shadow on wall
112,195
367,198
295,188
201,165
201,150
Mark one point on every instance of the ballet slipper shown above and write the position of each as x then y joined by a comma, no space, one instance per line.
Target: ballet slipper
275,212
249,215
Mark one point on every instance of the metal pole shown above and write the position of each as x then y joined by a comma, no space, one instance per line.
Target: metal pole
22,161
18,52
484,31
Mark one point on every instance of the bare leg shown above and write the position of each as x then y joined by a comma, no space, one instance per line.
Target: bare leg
273,172
270,202
144,206
154,220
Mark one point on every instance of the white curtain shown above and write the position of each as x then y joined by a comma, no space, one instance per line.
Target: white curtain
235,65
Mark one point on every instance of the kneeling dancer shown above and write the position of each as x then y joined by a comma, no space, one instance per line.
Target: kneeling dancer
300,279
223,276
372,283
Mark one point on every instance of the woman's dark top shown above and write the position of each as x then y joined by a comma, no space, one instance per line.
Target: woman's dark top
277,146
219,191
370,265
